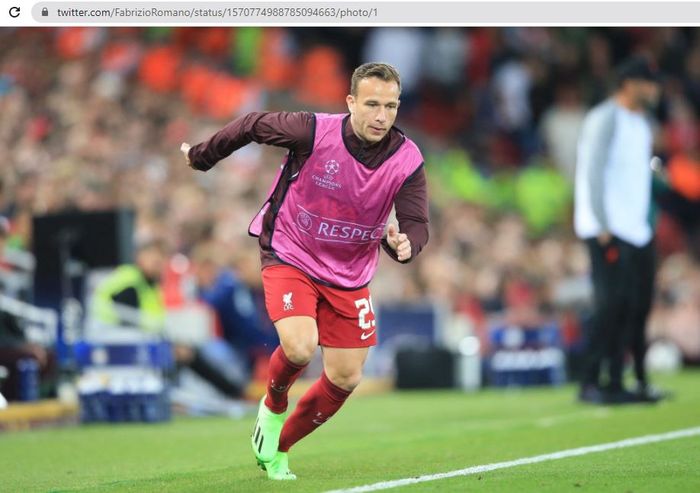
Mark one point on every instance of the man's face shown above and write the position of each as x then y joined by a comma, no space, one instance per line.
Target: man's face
646,93
152,261
373,109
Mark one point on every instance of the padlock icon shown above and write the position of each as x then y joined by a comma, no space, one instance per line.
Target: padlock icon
44,12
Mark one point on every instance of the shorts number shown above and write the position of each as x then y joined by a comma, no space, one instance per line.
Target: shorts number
365,307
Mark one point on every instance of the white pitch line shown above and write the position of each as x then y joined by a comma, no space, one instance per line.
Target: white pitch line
575,452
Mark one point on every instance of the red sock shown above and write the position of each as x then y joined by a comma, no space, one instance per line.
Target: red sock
315,407
282,374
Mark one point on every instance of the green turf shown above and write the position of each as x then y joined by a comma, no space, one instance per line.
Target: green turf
380,438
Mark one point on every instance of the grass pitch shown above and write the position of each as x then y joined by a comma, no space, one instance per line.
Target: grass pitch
380,438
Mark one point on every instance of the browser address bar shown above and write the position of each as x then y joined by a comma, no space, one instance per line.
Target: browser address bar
268,12
370,12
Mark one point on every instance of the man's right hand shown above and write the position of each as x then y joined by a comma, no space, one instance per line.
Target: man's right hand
604,238
185,148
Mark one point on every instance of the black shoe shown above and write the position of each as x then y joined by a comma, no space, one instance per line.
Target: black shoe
591,394
650,394
620,396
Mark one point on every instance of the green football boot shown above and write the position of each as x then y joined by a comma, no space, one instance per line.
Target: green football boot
266,433
278,468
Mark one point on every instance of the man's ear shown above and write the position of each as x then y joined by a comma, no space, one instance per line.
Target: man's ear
350,100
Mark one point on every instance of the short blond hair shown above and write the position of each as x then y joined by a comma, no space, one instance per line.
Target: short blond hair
383,71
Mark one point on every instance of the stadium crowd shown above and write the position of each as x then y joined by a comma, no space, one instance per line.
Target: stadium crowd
93,118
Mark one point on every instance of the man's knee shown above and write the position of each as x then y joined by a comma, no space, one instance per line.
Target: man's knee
299,338
299,350
346,379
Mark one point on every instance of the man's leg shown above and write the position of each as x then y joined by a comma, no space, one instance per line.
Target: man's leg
291,300
618,299
298,340
603,266
643,286
342,373
346,330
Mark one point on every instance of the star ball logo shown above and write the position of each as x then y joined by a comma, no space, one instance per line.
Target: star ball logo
304,221
327,181
332,167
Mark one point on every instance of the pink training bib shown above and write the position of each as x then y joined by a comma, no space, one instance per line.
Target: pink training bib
333,216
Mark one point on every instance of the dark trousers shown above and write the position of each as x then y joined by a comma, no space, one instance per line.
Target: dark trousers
623,284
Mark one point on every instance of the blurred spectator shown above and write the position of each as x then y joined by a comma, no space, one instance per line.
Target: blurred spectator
543,197
447,43
402,47
321,77
677,315
234,303
561,126
15,347
131,297
681,198
512,83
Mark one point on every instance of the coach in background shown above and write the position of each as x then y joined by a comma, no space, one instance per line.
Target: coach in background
612,210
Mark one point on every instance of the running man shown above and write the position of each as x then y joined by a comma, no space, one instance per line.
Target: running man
319,234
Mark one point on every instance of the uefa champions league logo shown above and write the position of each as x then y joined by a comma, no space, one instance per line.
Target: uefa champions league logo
304,221
327,181
332,167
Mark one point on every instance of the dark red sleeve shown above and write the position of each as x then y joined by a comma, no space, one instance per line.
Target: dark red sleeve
293,131
412,213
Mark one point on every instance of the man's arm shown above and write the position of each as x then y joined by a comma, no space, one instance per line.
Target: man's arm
412,213
293,131
598,139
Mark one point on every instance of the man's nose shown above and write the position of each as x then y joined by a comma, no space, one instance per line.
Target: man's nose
381,115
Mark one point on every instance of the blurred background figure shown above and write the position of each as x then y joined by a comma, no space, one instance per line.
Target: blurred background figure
226,289
20,356
131,296
613,208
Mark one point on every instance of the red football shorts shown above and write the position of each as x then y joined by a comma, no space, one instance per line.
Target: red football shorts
345,318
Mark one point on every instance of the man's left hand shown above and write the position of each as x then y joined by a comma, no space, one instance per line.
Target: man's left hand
399,242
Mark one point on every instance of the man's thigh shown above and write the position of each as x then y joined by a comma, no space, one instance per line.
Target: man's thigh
346,318
291,300
288,293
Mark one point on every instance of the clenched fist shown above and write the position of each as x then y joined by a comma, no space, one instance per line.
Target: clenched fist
185,148
398,242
